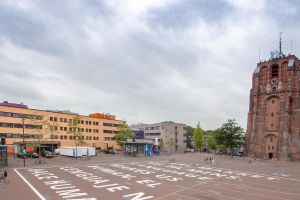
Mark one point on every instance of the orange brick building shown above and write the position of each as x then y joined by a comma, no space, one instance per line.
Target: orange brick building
273,128
98,130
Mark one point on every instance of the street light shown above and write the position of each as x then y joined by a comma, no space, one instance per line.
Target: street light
23,120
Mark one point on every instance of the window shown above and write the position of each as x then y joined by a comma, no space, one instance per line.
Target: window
55,119
90,130
82,122
65,129
274,89
61,119
272,147
272,114
61,137
70,129
51,118
90,122
61,128
272,125
65,120
274,71
269,147
65,137
273,101
70,121
271,139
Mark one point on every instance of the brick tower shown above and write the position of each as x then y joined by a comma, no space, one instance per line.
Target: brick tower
273,127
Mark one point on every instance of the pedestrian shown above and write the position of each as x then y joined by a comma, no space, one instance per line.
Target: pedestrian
212,161
5,174
2,176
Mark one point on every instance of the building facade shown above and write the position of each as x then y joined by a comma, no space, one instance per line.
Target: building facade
54,127
273,127
165,131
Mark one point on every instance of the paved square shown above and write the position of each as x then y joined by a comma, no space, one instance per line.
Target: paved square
149,178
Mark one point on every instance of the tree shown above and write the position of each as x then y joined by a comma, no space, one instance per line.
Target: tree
189,136
211,141
171,144
230,135
161,144
124,133
38,126
198,137
75,132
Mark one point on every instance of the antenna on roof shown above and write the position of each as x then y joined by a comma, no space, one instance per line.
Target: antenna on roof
291,47
259,54
280,52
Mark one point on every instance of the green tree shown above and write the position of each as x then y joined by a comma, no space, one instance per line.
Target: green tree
198,137
75,132
230,135
161,144
124,133
211,140
189,136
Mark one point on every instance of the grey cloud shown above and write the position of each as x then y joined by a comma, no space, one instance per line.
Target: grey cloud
188,61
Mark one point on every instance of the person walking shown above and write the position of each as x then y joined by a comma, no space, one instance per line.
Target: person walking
2,176
5,174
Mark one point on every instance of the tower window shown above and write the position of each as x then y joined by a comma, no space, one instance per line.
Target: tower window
271,139
272,125
273,101
272,114
274,89
274,71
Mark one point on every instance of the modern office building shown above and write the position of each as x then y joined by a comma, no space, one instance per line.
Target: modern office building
166,131
54,128
273,128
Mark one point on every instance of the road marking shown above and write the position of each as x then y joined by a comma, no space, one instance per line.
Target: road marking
74,165
33,189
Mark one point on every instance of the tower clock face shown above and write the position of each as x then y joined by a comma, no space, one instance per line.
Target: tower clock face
274,80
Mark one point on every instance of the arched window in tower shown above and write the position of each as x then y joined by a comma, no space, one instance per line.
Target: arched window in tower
272,114
274,72
271,139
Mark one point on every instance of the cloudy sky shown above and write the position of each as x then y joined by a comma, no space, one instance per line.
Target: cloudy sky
144,61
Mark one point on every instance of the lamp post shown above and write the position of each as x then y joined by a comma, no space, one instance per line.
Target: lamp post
23,120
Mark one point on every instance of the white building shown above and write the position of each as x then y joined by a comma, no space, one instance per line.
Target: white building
167,131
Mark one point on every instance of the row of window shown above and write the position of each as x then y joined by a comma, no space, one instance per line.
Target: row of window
15,125
152,134
19,115
15,135
82,130
151,128
53,128
65,120
65,137
39,136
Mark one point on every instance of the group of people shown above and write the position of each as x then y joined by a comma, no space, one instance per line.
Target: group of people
211,160
3,177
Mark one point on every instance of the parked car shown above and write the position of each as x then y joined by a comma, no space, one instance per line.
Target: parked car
111,151
47,154
34,155
22,155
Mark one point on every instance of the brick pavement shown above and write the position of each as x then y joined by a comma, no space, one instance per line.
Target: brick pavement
179,176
